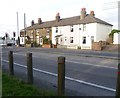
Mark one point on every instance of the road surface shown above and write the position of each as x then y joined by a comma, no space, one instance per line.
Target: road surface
88,73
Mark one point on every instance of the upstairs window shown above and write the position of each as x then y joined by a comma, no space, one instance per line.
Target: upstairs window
71,39
84,27
71,29
65,38
56,29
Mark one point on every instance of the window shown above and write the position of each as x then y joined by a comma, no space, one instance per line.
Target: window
56,29
41,40
84,27
84,40
71,28
65,38
92,38
61,40
71,39
22,39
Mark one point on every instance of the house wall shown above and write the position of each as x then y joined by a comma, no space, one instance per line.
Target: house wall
102,32
93,31
116,38
89,33
66,35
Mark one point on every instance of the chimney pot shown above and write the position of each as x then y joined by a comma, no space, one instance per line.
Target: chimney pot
32,23
83,13
57,17
83,9
39,21
58,14
92,13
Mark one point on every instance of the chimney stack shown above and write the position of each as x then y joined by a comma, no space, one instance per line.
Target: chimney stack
39,21
83,13
32,23
92,13
57,17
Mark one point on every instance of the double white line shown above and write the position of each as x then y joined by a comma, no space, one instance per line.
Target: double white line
68,78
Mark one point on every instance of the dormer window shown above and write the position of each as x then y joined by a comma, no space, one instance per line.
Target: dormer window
56,29
71,28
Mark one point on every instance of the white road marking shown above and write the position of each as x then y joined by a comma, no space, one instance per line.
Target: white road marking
68,78
79,62
91,64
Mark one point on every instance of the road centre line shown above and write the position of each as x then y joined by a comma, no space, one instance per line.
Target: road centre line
79,63
90,64
68,78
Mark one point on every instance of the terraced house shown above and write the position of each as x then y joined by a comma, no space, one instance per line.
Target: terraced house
73,32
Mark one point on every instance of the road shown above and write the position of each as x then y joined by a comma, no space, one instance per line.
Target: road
88,73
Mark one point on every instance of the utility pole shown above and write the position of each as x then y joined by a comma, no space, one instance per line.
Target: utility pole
24,29
118,15
18,29
17,25
114,5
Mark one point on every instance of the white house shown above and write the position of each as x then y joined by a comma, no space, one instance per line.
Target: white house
116,38
73,32
80,31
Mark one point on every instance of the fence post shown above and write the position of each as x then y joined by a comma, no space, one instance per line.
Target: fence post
29,69
10,58
61,76
118,83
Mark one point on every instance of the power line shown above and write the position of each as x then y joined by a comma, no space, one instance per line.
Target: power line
111,5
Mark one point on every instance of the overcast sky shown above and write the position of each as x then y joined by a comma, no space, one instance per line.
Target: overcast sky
47,9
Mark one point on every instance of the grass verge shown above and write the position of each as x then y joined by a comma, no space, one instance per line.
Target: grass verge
12,86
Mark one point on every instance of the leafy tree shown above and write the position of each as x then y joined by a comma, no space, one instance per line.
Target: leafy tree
114,31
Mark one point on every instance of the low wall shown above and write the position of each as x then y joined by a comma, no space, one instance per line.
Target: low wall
46,46
99,45
61,46
72,46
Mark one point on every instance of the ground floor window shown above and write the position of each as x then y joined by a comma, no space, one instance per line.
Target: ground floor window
71,39
65,38
92,39
84,40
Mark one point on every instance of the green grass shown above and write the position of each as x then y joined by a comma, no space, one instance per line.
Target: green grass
12,86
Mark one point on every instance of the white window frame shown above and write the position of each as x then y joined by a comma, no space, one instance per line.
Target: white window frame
71,28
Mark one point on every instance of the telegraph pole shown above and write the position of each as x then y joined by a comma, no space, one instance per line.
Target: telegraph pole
118,15
17,25
24,29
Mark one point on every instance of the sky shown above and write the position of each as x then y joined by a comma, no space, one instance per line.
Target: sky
47,9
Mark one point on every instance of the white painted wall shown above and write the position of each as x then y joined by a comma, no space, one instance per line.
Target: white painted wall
102,32
90,31
116,38
98,31
66,34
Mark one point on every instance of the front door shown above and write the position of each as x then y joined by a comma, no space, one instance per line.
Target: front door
56,41
65,41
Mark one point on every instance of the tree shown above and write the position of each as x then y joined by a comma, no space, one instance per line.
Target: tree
114,31
112,34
